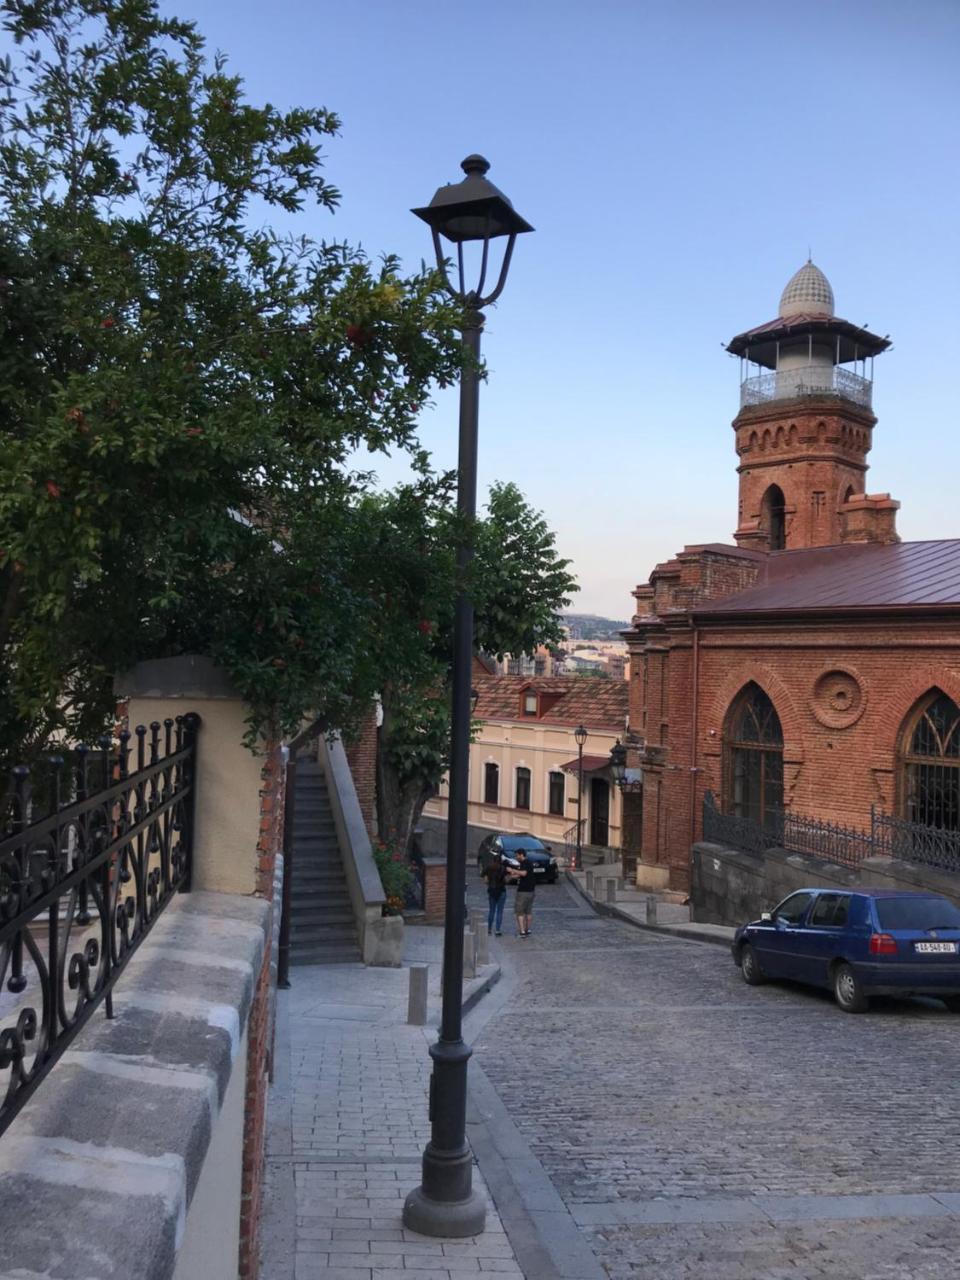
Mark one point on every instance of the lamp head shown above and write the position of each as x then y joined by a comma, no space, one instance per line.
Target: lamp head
473,209
580,735
618,763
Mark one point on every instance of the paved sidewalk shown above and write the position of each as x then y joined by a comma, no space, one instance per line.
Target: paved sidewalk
347,1126
672,917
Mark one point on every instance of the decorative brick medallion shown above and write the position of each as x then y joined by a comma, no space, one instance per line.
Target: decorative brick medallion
838,699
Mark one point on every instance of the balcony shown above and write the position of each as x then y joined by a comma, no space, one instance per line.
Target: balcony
807,380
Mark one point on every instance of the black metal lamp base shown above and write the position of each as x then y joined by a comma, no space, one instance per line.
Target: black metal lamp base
449,1218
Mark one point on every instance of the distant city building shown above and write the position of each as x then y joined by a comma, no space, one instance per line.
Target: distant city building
524,761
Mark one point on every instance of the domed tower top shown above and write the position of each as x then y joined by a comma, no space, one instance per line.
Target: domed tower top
808,293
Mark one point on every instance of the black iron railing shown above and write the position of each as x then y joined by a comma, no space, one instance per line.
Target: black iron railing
887,837
88,860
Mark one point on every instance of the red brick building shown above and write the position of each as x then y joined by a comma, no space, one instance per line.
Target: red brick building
815,665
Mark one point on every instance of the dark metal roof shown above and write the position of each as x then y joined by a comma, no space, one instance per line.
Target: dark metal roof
760,344
591,764
855,576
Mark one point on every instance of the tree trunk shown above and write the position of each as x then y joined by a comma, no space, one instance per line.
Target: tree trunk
400,800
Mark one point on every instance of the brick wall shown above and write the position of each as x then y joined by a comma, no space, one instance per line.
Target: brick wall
434,889
843,693
255,1125
260,1035
362,758
815,450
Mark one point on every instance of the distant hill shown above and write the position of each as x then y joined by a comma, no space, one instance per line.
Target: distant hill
590,626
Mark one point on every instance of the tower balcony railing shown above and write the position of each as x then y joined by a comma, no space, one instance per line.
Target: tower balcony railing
807,380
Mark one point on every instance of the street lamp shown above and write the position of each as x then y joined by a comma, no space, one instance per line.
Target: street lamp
621,774
618,762
580,736
445,1203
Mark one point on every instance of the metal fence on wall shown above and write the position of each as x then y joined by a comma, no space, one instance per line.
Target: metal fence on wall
887,837
90,854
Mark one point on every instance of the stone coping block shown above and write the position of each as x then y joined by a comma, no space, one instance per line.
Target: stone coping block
98,1170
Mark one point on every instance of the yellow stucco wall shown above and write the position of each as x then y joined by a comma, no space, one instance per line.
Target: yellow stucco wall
228,790
541,748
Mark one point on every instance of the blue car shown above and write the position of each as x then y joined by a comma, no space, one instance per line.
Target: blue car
857,944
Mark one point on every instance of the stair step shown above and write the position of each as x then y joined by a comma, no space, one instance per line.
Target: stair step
323,938
321,895
327,955
317,864
335,913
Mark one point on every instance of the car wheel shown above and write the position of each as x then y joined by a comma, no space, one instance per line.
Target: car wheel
750,966
848,990
952,1003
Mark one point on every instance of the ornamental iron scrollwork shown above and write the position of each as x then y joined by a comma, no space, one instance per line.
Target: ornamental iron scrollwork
887,837
90,854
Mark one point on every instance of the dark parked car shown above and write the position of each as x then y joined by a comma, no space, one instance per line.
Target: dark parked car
539,855
858,944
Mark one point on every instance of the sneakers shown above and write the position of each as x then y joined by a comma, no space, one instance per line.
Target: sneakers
499,933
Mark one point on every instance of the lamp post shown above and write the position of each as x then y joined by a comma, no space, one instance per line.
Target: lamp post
445,1203
580,735
626,785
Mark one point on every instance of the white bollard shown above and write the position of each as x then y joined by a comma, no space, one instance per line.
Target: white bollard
469,953
417,1000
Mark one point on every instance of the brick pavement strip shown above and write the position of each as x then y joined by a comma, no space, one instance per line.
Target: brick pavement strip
348,1116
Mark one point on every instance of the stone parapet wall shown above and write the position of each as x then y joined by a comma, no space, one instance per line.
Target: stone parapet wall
142,1119
729,886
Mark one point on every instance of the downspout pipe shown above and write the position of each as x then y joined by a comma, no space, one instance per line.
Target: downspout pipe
694,729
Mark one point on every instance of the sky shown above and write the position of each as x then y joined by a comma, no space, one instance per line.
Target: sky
678,160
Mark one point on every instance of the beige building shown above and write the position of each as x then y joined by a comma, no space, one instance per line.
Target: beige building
524,760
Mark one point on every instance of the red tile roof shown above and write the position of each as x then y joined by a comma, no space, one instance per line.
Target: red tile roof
590,764
856,576
595,703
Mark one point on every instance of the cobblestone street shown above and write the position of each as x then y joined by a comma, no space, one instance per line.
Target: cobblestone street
695,1127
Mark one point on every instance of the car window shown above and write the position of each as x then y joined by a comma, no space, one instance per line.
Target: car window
917,913
792,909
831,909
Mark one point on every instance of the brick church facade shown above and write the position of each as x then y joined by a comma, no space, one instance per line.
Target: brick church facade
814,665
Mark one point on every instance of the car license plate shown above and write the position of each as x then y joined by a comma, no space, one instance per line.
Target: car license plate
926,948
538,871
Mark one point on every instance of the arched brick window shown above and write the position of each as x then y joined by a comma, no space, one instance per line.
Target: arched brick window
930,763
773,517
753,758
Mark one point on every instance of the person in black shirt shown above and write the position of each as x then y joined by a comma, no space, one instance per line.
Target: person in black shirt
526,885
496,878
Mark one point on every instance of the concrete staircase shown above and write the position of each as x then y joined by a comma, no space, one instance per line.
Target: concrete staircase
323,928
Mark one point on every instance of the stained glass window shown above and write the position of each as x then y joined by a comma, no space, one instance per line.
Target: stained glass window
931,765
753,758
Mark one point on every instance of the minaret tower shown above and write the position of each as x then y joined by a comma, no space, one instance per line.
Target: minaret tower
805,423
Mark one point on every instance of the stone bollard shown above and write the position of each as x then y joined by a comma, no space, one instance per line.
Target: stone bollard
469,953
651,909
611,890
478,921
417,999
483,945
590,882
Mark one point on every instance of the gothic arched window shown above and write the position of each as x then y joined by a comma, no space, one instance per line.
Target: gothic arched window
773,517
930,763
753,758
